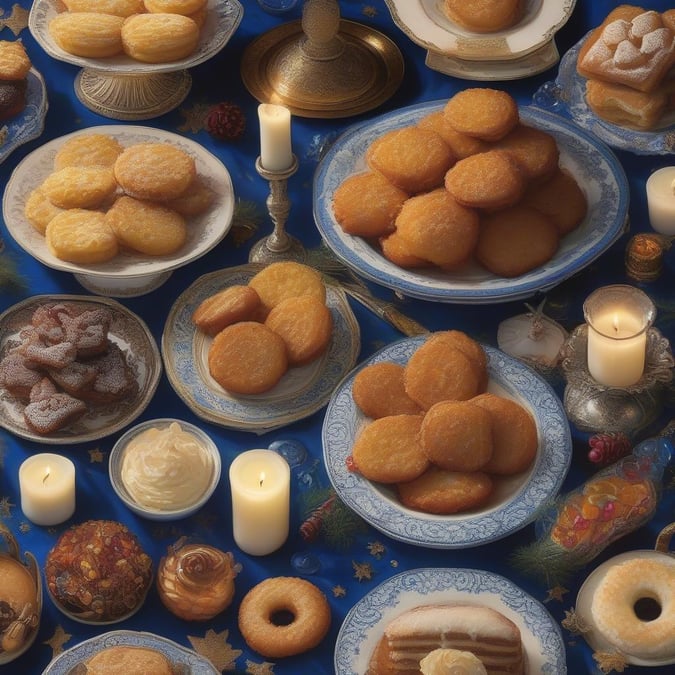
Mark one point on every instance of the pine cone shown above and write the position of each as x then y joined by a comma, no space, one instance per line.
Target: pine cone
226,121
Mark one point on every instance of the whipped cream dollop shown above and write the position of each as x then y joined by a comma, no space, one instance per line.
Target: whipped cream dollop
166,468
451,662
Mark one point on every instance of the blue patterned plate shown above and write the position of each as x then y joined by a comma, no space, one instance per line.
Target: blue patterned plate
30,122
365,622
516,500
301,391
567,96
593,164
183,659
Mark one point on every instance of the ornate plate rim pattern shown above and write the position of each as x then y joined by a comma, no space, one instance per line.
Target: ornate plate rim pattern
176,653
30,122
566,96
94,425
366,620
424,22
593,164
205,231
516,506
223,18
301,392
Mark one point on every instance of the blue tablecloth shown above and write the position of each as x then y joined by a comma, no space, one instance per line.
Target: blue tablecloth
355,558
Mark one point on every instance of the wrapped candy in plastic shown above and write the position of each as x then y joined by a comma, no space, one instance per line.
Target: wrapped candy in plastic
615,501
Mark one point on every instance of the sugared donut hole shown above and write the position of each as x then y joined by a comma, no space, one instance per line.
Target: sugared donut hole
282,617
647,609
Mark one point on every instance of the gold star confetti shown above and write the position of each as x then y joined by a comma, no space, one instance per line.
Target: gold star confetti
339,591
57,640
263,668
556,593
17,20
376,549
96,456
6,507
195,117
609,661
394,563
215,647
369,11
24,527
362,571
574,623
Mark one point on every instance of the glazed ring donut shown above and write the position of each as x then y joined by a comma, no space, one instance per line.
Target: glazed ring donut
617,614
262,611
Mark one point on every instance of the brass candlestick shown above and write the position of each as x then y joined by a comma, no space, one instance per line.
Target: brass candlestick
279,245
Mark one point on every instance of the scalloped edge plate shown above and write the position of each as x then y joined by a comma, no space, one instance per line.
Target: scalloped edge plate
366,620
517,499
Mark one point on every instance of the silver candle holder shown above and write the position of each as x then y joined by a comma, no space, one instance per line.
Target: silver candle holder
279,245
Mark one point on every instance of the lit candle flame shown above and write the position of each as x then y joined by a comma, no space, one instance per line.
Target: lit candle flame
615,323
262,478
47,472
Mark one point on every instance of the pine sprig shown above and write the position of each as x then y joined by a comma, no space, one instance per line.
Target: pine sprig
10,278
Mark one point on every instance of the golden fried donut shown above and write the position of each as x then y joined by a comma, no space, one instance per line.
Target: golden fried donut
488,114
378,391
444,492
232,304
515,241
196,199
462,145
146,227
387,450
614,607
412,158
396,250
366,204
264,603
88,150
117,7
438,229
159,38
305,325
470,348
535,150
514,434
14,61
185,7
457,436
80,187
39,210
286,279
438,371
92,35
560,199
484,16
487,180
247,358
81,236
154,170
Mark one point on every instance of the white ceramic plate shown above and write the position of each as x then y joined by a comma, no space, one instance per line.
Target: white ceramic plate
516,500
127,330
30,122
184,659
567,96
223,18
301,391
365,622
128,270
595,639
426,24
593,164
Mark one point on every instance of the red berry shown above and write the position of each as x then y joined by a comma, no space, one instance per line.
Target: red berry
226,121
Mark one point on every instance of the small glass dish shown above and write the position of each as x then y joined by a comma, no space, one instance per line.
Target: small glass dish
158,513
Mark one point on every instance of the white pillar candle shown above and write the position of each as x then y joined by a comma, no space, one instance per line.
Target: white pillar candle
47,487
618,318
661,200
260,486
276,153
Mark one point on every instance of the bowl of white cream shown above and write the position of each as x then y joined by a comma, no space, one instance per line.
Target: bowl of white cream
164,469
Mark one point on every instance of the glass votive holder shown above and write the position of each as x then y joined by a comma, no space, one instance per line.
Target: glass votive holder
277,6
661,200
618,319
